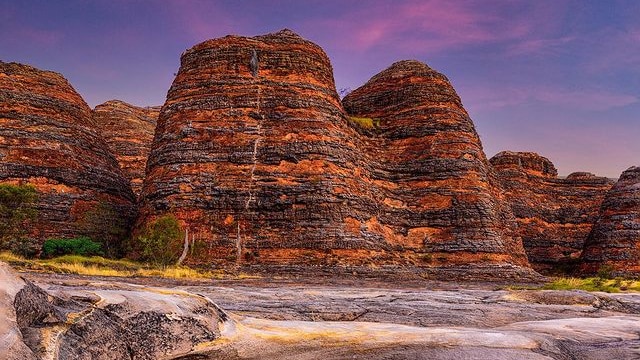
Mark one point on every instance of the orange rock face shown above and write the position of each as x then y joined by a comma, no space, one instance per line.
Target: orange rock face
554,215
256,156
47,139
431,176
128,131
614,242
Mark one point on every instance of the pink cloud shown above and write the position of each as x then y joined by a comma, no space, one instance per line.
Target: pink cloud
38,37
15,31
438,25
201,20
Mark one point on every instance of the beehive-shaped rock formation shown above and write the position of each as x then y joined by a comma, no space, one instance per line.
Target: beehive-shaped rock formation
252,151
128,131
255,155
47,139
554,215
614,242
429,168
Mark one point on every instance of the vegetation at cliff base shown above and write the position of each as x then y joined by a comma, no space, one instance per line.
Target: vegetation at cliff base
161,241
594,284
105,225
76,246
17,212
99,266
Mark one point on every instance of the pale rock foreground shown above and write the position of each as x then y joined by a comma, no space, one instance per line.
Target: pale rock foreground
79,318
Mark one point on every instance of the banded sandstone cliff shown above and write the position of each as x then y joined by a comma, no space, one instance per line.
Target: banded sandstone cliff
260,160
554,215
128,130
47,139
256,156
614,242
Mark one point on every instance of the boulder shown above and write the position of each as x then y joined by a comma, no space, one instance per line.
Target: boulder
110,321
12,346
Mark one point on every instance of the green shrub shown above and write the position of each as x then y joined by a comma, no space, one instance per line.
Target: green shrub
161,241
76,246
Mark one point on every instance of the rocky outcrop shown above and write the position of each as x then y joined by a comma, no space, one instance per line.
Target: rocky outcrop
255,155
67,317
115,321
47,139
128,130
429,172
252,151
554,215
614,242
12,346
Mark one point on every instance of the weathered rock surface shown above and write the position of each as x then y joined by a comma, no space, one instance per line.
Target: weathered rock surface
12,346
112,321
47,139
430,174
254,153
614,241
554,215
358,321
128,130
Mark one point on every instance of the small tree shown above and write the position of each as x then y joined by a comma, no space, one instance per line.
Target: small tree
17,211
106,225
161,241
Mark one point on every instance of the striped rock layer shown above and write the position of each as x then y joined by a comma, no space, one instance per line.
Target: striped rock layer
47,139
614,242
255,154
554,215
128,130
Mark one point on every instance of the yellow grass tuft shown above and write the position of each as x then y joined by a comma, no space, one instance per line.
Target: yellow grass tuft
364,122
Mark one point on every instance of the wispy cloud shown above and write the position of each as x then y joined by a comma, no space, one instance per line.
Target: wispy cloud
613,48
16,30
585,100
538,46
200,20
434,26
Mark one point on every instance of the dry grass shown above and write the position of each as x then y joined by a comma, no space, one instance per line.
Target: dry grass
594,284
99,266
365,123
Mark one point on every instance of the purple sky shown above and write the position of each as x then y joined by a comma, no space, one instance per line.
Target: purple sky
561,78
